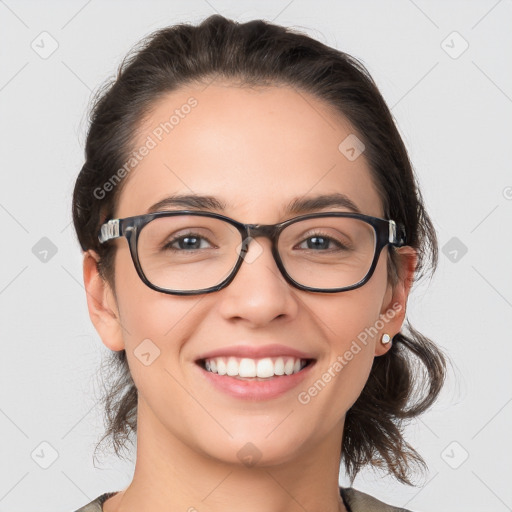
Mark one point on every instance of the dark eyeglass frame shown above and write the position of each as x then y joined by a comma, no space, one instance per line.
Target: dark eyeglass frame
387,232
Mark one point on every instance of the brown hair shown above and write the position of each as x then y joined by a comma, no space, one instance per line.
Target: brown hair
408,378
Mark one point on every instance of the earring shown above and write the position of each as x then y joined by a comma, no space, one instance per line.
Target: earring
386,338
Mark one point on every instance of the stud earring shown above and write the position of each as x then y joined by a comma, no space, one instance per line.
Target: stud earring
386,338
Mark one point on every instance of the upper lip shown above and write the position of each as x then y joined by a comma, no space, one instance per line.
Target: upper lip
256,352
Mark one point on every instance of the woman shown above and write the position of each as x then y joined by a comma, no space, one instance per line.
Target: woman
251,228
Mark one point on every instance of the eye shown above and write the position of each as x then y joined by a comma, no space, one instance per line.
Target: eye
188,242
320,241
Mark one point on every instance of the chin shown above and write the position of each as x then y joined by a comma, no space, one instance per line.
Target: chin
255,448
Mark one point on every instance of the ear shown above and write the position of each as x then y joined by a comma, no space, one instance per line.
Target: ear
395,300
102,304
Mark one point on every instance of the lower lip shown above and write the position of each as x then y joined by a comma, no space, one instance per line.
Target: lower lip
256,389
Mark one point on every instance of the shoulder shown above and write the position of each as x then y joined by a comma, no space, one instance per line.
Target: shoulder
96,505
358,501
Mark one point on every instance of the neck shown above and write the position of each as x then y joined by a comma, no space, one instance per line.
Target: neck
171,475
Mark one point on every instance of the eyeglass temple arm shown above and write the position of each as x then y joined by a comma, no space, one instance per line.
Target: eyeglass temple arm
110,230
397,235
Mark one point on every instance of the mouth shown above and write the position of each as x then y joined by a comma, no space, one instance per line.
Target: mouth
255,379
254,369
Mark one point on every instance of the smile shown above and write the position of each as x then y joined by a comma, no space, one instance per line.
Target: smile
255,379
267,367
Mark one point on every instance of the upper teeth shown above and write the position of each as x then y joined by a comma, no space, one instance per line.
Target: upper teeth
263,368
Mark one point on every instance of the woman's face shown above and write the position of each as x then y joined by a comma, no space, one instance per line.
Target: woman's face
255,151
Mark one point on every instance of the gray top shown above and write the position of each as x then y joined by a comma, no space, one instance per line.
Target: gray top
354,500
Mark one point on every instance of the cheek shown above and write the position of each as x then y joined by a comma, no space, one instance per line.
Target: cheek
351,337
341,376
145,312
150,320
349,315
350,324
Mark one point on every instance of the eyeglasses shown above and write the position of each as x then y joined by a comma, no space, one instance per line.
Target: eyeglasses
192,252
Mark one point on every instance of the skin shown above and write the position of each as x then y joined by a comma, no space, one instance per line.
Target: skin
238,144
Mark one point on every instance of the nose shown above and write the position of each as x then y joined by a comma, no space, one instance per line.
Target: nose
258,293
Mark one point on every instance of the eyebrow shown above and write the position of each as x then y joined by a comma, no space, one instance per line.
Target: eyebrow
297,205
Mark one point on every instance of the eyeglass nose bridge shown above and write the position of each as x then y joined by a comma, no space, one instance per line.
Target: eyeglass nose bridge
251,231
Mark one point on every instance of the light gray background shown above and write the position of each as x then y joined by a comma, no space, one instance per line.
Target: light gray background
455,117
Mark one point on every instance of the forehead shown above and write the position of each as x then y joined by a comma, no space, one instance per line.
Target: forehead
255,149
